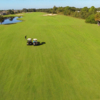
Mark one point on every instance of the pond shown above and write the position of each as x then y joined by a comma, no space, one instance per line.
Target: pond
10,20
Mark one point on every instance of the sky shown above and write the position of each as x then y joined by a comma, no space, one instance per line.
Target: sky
20,4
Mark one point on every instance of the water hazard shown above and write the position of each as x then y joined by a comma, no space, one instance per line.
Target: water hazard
10,20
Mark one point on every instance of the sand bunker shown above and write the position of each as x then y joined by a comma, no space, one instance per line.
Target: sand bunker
19,14
49,14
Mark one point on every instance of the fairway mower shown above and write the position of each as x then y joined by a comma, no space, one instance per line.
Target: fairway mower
35,42
29,41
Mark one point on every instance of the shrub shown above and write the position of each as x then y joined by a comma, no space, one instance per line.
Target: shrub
1,19
91,19
97,16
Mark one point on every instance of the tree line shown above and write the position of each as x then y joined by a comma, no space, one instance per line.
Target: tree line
89,14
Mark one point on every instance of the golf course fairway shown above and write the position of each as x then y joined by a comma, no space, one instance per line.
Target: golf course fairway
65,67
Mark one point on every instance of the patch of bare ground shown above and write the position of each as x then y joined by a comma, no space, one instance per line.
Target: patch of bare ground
49,14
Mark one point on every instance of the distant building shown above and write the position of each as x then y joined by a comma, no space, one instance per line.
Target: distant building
15,11
98,11
77,11
3,12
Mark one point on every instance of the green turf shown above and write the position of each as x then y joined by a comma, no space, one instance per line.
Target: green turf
66,67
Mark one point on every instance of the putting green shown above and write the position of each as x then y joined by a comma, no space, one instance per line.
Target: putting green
66,67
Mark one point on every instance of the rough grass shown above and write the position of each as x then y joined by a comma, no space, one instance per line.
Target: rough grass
66,67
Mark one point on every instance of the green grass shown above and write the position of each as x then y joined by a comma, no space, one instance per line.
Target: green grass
67,67
12,15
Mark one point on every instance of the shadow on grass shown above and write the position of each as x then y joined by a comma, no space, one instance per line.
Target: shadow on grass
39,44
12,23
42,43
9,24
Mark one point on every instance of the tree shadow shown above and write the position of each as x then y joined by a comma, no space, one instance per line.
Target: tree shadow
11,19
9,24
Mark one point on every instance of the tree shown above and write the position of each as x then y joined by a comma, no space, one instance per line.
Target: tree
10,11
84,13
60,9
91,19
78,9
34,10
54,10
67,10
19,11
76,14
73,9
50,10
98,9
85,9
24,10
1,19
97,18
92,10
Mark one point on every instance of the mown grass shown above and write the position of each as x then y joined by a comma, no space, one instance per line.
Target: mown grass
66,67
